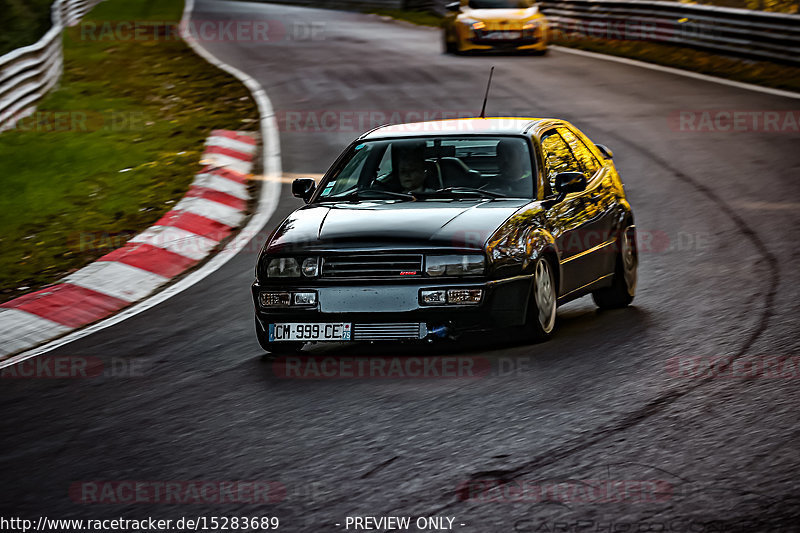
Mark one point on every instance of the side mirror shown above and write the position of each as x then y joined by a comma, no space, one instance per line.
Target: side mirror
453,6
567,182
303,188
605,150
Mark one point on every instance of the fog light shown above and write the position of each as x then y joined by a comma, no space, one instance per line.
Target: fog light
464,296
275,299
305,298
433,297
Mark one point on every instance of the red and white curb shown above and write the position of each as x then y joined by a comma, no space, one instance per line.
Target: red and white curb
212,208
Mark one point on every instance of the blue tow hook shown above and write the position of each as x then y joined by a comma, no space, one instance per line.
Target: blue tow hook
440,332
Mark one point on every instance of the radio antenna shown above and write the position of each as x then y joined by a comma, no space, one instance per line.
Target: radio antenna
486,96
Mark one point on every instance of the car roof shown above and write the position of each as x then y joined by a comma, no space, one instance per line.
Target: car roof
459,126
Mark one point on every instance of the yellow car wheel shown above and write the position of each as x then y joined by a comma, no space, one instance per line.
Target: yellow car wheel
449,47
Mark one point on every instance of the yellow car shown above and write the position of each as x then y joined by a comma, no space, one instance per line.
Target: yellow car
503,25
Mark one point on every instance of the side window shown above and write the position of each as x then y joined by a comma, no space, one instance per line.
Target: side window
557,158
587,160
591,147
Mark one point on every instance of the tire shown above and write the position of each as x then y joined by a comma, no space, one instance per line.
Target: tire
277,348
623,285
449,48
541,317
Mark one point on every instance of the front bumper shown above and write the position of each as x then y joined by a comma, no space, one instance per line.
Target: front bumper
510,45
477,41
392,305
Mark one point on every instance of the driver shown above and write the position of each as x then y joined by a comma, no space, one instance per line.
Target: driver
408,159
513,178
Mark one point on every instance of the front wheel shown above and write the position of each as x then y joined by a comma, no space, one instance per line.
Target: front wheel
541,319
623,285
449,47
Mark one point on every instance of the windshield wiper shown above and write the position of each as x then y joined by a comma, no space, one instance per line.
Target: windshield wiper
469,191
366,193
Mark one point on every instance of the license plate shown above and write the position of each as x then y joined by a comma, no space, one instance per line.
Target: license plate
302,331
503,35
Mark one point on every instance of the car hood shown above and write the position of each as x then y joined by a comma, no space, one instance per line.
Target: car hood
499,14
461,224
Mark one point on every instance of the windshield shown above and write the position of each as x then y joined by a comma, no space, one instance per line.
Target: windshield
497,4
434,167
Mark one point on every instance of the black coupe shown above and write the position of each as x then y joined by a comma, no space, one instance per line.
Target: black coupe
428,230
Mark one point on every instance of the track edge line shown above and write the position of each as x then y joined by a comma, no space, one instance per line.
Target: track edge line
677,71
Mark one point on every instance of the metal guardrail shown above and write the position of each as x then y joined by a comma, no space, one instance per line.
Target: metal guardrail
28,73
344,4
730,31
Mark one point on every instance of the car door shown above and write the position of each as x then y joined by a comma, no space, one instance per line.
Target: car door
599,206
567,220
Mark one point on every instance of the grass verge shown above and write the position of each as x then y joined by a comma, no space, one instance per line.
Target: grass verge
113,148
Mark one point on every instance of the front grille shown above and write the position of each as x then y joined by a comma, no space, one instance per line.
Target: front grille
387,332
372,266
504,36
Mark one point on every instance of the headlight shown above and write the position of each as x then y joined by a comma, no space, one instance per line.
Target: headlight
530,29
472,24
454,265
311,267
290,267
283,267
